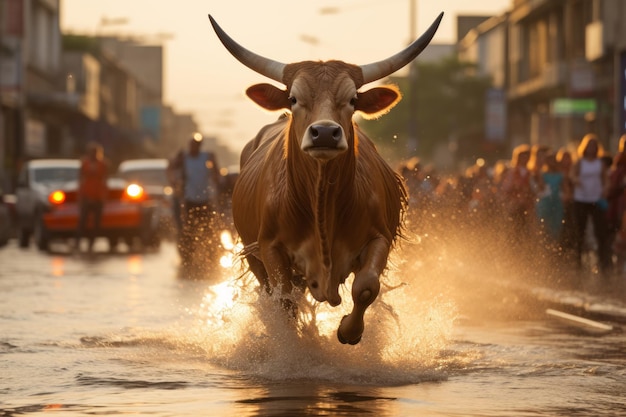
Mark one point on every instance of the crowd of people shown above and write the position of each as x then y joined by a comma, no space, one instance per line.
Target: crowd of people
567,205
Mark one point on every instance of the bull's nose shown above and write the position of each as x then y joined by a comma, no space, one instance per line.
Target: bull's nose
324,136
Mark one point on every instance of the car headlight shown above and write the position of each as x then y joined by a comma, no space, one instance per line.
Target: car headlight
57,197
135,192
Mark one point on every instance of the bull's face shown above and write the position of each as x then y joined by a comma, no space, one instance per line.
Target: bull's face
322,111
323,98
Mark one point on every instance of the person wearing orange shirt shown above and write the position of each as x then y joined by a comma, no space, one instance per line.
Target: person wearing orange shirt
92,192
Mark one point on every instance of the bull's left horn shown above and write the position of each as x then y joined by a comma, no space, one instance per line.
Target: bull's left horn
264,66
381,69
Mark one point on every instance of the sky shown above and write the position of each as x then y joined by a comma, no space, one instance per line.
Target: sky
202,78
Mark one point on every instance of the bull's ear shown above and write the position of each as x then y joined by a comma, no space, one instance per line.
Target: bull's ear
377,101
268,96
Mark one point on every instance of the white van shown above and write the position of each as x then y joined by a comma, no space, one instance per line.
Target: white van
151,174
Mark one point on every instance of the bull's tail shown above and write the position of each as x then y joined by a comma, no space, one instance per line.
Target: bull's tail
250,250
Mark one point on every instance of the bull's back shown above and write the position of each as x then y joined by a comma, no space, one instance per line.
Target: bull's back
255,179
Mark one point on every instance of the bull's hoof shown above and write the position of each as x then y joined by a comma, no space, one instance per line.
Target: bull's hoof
343,340
350,342
290,307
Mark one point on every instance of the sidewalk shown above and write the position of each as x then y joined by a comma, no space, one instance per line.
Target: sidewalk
589,296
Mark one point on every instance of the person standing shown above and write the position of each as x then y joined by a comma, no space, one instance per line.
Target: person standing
200,177
549,204
617,205
92,192
590,177
617,187
567,237
518,194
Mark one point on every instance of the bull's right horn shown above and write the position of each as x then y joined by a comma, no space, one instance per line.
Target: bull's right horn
381,69
264,66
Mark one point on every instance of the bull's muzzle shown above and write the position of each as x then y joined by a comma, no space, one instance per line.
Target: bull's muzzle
324,140
324,136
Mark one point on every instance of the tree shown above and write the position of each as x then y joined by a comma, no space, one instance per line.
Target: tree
450,103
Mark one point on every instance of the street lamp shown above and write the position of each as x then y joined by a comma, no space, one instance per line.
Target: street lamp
155,38
110,21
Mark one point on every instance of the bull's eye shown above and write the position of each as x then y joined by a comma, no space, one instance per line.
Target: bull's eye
353,101
293,100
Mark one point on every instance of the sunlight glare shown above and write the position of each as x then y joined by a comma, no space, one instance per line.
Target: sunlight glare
226,238
327,318
219,300
135,266
58,265
226,261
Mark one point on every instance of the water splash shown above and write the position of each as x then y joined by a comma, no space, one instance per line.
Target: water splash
242,329
409,329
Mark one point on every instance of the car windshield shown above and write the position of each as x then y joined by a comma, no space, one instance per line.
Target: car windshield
54,175
154,176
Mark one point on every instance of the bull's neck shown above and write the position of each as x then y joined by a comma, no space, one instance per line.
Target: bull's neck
327,182
323,221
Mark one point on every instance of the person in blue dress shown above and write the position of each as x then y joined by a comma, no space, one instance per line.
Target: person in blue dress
549,206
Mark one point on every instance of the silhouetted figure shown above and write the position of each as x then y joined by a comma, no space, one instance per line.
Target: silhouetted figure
518,195
92,193
199,175
590,178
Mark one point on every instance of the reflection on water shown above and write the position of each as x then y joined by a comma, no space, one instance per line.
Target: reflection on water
449,335
135,265
57,264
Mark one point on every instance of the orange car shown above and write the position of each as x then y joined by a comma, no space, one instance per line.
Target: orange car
128,214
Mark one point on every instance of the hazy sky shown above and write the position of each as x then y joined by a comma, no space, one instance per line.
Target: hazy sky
202,78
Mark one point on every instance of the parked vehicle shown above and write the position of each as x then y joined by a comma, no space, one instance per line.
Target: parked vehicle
151,174
128,214
35,182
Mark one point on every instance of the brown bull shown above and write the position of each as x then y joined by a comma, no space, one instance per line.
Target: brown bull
314,200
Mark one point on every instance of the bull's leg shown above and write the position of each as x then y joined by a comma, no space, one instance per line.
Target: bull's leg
365,289
257,268
280,275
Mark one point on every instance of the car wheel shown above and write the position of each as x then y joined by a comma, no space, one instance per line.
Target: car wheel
42,237
152,242
113,244
24,238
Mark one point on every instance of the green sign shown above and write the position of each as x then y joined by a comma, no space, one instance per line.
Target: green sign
570,106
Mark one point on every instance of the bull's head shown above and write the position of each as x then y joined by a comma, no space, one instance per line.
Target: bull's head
323,96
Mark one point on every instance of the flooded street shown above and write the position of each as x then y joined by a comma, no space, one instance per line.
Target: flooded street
131,334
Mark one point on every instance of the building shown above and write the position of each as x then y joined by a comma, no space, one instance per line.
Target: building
559,64
486,45
59,92
30,45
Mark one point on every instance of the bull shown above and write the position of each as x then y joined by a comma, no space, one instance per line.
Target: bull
314,201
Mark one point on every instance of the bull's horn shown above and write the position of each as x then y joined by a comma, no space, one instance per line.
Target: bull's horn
381,69
264,66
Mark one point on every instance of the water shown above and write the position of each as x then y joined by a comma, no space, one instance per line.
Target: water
132,334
